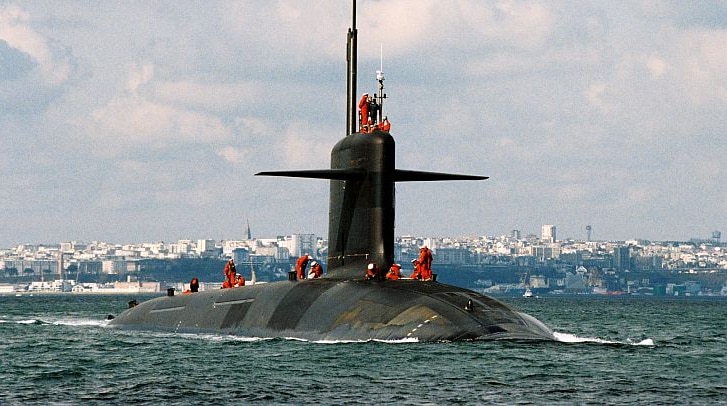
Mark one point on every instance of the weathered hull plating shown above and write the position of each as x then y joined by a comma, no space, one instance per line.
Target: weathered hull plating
338,310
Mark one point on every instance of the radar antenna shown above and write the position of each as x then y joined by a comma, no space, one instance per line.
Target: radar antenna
381,95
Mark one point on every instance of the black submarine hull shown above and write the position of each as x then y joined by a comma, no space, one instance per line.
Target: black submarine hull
338,310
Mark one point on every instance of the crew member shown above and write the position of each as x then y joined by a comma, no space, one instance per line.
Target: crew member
372,271
394,272
193,286
417,274
230,271
425,263
373,113
316,271
300,265
240,281
363,106
385,125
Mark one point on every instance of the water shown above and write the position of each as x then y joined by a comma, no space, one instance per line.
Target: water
57,349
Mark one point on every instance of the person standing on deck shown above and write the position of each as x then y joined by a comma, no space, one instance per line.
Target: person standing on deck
301,264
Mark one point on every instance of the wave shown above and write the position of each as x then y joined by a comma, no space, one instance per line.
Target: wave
572,338
60,322
80,322
397,341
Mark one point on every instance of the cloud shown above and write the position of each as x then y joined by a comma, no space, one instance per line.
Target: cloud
17,33
132,121
580,112
231,154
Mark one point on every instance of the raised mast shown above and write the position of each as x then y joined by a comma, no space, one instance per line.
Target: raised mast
352,60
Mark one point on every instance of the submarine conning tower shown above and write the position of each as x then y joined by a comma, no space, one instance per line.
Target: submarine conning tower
363,174
361,216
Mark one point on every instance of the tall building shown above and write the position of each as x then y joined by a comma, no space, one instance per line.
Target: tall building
299,244
547,233
622,258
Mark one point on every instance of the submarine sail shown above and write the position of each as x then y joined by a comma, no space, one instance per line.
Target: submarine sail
342,305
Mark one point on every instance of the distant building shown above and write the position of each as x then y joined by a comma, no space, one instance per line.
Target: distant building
622,258
207,249
547,233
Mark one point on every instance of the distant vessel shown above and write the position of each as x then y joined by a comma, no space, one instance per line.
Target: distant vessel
528,292
342,305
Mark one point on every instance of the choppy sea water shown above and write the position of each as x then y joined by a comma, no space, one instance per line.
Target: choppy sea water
57,349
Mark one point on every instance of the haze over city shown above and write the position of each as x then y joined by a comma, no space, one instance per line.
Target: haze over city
146,121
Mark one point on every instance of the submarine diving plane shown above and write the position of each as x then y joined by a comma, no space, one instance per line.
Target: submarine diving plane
343,305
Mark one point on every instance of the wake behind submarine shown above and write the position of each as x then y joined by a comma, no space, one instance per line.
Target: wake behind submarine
342,306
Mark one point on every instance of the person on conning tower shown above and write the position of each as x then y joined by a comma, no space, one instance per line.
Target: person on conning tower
363,106
385,124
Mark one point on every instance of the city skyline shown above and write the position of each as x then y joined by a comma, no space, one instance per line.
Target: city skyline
146,122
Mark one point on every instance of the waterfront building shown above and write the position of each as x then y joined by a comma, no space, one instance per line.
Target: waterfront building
548,233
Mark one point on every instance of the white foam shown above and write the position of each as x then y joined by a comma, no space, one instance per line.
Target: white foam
399,341
571,338
80,322
28,321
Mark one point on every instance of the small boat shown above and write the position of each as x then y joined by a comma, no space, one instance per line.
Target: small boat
528,293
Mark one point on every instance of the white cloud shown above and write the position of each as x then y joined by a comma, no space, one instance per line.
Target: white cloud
132,121
217,97
577,110
231,154
17,32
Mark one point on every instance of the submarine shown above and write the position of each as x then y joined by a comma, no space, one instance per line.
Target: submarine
343,305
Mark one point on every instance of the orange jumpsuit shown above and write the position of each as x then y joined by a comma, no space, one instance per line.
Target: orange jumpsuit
425,260
394,272
316,270
372,271
230,272
300,265
385,125
363,106
417,270
240,280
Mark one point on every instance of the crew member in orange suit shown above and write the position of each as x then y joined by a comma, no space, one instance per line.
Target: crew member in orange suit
385,125
240,281
230,271
300,265
417,269
394,272
372,271
316,271
425,263
193,286
363,106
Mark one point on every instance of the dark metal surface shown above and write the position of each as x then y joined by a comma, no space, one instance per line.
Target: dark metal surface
328,309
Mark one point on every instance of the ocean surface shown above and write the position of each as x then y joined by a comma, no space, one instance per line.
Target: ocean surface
57,349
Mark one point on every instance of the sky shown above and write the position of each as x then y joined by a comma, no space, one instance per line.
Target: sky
144,121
